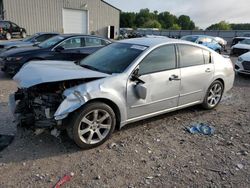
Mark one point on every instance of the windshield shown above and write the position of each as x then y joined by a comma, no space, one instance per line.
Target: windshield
190,38
30,38
51,42
114,58
246,41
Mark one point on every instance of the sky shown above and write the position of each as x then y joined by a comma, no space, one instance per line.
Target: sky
202,12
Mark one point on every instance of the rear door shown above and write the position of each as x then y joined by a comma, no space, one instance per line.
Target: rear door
91,45
197,72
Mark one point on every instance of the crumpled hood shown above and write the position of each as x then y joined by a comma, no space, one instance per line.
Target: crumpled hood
38,72
241,46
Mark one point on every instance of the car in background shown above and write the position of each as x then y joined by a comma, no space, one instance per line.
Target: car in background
204,40
124,82
221,42
9,29
29,41
68,47
242,65
241,48
236,40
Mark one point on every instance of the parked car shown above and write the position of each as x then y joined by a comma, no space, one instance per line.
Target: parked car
221,42
126,81
241,48
68,47
204,40
236,40
9,29
242,65
29,41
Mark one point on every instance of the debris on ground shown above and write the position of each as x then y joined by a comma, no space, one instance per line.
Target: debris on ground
201,128
5,140
64,180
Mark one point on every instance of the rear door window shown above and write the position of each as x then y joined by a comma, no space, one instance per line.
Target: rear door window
190,56
73,43
89,41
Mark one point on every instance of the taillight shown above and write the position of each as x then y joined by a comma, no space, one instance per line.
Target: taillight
1,30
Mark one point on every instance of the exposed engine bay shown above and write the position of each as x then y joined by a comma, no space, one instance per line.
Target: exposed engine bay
37,105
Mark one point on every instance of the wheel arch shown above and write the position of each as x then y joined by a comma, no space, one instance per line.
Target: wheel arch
110,103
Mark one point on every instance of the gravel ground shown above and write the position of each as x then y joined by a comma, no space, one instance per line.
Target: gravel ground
153,153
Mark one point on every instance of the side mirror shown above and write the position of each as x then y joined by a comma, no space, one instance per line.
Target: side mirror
200,42
141,91
59,48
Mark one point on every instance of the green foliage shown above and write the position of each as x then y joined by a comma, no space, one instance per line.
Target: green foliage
167,20
243,26
147,19
175,27
186,23
152,24
223,25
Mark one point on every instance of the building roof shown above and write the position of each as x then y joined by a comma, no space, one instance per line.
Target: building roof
111,5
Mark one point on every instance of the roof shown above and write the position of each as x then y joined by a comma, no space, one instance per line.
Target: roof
81,35
111,5
151,42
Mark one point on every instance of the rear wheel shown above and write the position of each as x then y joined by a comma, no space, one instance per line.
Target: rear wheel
92,125
23,34
213,95
8,36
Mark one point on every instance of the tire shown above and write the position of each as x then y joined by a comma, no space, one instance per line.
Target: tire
213,95
23,34
92,125
8,36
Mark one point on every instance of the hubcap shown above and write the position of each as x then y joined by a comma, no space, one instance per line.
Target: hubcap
95,126
214,95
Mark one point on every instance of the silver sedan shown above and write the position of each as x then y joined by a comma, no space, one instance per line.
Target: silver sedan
124,82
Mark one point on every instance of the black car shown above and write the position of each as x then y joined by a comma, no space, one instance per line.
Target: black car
69,47
9,29
29,41
236,40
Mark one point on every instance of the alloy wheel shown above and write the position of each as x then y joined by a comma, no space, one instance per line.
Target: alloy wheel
95,126
214,95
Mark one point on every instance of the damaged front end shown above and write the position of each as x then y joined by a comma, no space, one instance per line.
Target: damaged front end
35,107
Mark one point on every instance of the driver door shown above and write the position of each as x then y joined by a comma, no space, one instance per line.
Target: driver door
162,80
69,49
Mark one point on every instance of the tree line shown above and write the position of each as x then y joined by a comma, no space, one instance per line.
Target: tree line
165,20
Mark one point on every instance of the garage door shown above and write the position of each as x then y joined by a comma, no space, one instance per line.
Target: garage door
75,21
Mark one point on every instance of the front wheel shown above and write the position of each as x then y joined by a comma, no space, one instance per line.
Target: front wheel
213,95
8,36
92,125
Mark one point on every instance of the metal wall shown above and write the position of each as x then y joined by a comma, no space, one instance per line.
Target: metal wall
227,35
46,15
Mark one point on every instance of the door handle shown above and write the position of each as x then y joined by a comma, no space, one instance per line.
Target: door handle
174,77
208,70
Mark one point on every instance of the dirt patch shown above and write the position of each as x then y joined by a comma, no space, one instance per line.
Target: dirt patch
153,153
